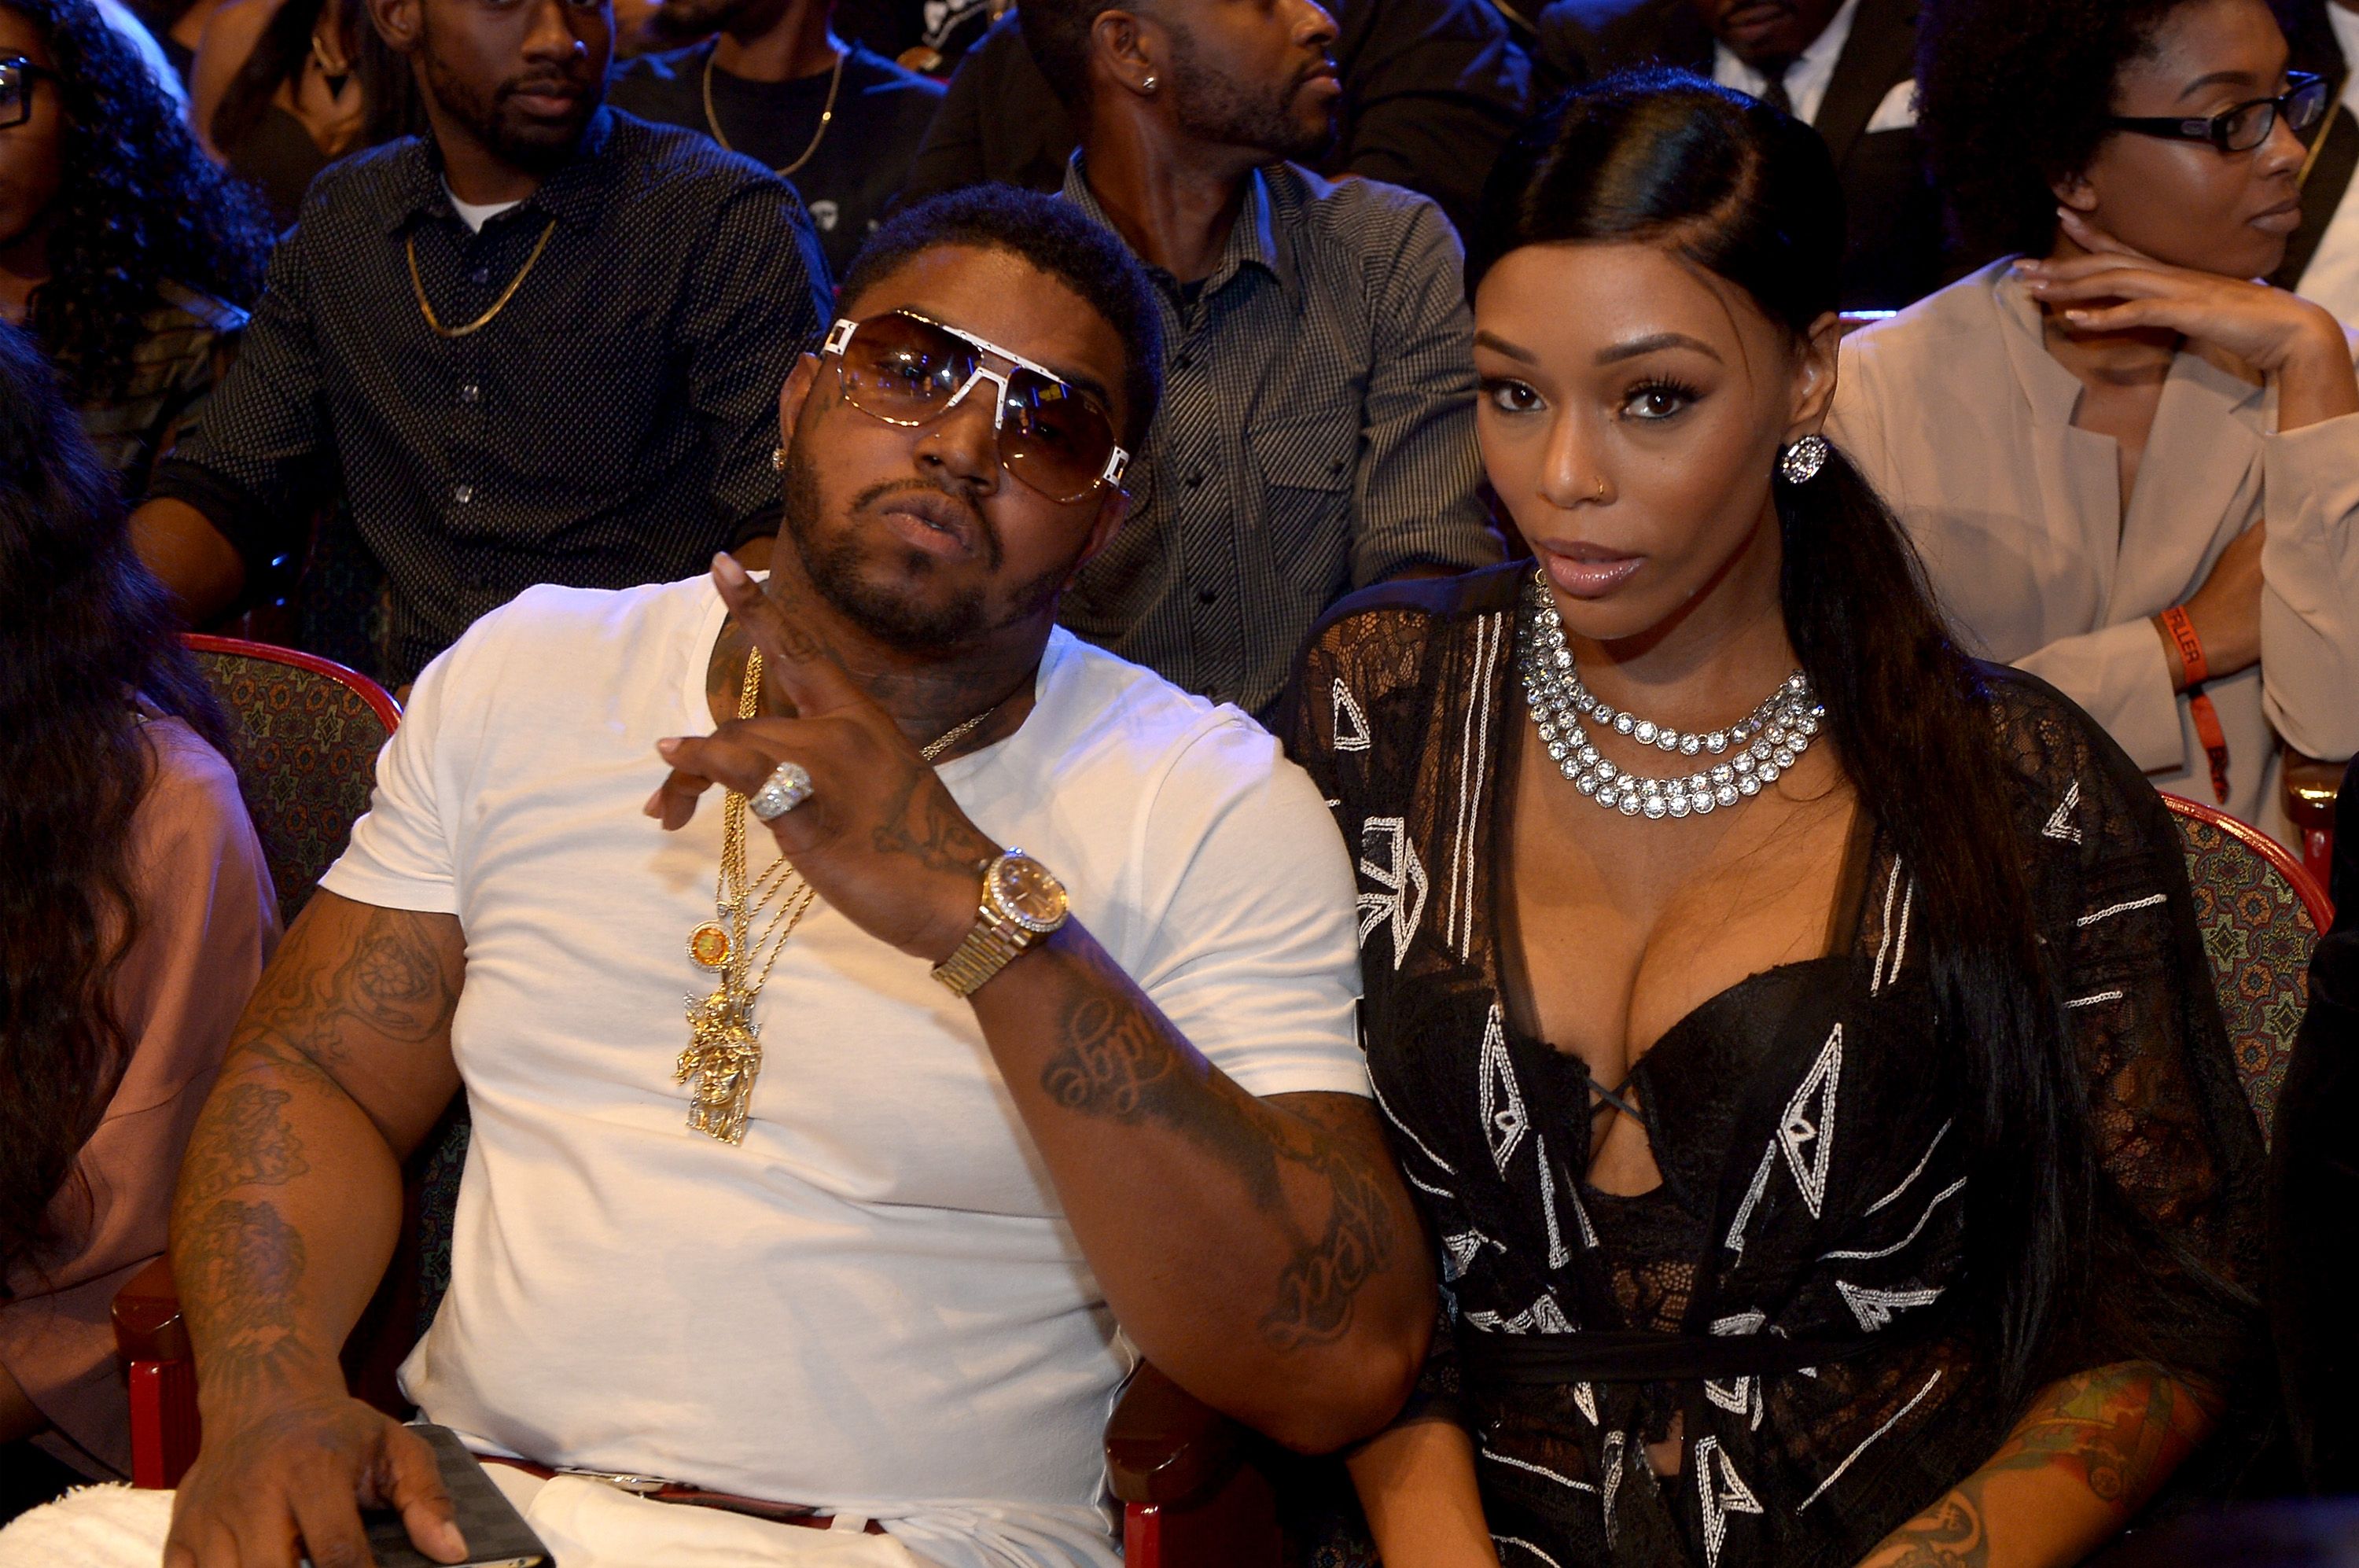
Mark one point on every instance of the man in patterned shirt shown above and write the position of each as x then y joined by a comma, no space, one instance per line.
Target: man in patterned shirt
540,344
1317,433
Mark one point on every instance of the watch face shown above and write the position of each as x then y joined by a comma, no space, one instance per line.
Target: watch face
1028,892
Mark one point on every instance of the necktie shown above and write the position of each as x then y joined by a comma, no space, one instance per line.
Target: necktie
1774,93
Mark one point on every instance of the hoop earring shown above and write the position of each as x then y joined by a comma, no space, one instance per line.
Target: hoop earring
1799,464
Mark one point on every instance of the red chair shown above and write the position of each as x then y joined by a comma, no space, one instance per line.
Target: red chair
2312,787
308,734
2260,914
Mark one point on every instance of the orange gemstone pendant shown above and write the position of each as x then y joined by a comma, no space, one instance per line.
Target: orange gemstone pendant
709,945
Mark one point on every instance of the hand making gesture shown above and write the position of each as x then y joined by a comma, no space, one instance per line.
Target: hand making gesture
863,816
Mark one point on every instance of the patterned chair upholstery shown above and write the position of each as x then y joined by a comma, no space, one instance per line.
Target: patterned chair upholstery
2260,914
308,734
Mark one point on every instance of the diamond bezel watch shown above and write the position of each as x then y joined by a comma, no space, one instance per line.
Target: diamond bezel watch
1022,902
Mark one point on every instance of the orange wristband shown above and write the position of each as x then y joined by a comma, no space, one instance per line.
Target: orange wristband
2196,669
2191,647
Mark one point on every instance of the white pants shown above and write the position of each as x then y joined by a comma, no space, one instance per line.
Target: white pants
586,1524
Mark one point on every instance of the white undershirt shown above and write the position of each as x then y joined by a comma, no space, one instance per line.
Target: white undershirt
476,214
2333,276
873,1304
1806,79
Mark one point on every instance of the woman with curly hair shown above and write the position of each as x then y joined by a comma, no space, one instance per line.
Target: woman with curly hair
135,915
2130,469
123,249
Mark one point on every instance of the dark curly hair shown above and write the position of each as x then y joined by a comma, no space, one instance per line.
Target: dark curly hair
83,629
2013,97
140,205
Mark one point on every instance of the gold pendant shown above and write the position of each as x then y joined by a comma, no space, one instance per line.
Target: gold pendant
709,945
724,1056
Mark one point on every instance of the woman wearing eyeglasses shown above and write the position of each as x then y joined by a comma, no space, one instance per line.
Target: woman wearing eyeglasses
2130,469
123,251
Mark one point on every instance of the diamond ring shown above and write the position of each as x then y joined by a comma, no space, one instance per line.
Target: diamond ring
788,786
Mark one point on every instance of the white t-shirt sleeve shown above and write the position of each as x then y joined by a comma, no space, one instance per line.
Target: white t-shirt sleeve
403,856
1254,956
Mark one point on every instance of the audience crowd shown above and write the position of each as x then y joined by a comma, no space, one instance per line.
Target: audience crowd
1583,614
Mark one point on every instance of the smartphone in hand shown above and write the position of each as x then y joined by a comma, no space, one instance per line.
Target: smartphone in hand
496,1535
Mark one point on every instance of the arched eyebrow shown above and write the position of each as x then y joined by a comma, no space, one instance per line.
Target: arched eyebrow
1500,345
1654,341
2239,80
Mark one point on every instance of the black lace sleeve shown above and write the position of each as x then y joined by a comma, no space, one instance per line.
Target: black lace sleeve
2175,1259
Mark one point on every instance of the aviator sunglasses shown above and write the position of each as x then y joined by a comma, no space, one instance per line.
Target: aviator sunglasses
906,370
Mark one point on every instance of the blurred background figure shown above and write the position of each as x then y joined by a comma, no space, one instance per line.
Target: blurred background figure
1317,432
1845,66
282,88
838,121
2130,470
1432,89
134,916
2321,260
929,35
123,252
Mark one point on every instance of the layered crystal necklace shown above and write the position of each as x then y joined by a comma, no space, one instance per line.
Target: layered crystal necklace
1742,758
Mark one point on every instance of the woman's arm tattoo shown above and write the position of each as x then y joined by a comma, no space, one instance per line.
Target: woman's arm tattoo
2117,1431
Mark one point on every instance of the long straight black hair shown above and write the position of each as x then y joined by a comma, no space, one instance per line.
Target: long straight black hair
1750,195
86,636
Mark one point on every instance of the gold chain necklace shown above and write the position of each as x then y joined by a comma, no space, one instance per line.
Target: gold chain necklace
724,1054
826,115
480,323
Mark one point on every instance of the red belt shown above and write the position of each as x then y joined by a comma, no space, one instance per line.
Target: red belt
661,1491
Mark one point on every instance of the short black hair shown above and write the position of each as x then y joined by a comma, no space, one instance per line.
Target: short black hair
1058,33
1052,236
2013,97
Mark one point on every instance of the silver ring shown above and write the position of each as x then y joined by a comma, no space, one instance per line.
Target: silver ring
788,786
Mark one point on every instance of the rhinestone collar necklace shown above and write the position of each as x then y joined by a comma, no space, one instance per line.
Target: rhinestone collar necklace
1746,756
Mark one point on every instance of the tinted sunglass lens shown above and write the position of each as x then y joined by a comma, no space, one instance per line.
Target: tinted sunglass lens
1052,438
902,368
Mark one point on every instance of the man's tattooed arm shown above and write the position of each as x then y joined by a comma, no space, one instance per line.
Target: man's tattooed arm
1264,1253
289,1194
2090,1453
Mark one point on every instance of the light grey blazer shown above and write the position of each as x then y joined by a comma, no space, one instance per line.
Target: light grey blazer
1955,411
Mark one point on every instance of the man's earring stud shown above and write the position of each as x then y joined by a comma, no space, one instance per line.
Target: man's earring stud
778,460
1150,83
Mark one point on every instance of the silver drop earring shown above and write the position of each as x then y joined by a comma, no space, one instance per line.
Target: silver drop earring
1801,462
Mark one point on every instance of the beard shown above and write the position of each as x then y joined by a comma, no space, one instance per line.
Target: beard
1217,109
533,146
844,573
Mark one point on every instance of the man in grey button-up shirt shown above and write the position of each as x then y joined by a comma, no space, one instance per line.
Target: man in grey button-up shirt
1317,433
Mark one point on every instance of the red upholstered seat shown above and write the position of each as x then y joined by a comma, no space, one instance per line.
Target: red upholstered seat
308,736
2260,914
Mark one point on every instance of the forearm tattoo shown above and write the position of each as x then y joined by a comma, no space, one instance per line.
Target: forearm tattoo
239,1262
2117,1431
239,1268
1119,1060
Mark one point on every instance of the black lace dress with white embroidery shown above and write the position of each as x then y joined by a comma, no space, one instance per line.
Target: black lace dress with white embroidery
1786,1301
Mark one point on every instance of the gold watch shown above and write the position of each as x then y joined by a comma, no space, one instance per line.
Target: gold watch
1022,902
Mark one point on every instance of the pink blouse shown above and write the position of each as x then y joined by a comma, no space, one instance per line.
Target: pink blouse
208,920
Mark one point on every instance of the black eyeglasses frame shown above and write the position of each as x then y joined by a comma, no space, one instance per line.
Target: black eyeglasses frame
29,73
2213,128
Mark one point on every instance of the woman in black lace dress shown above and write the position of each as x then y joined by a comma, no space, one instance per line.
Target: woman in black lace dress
1795,1031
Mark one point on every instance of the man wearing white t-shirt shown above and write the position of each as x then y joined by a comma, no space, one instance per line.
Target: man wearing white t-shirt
876,1225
